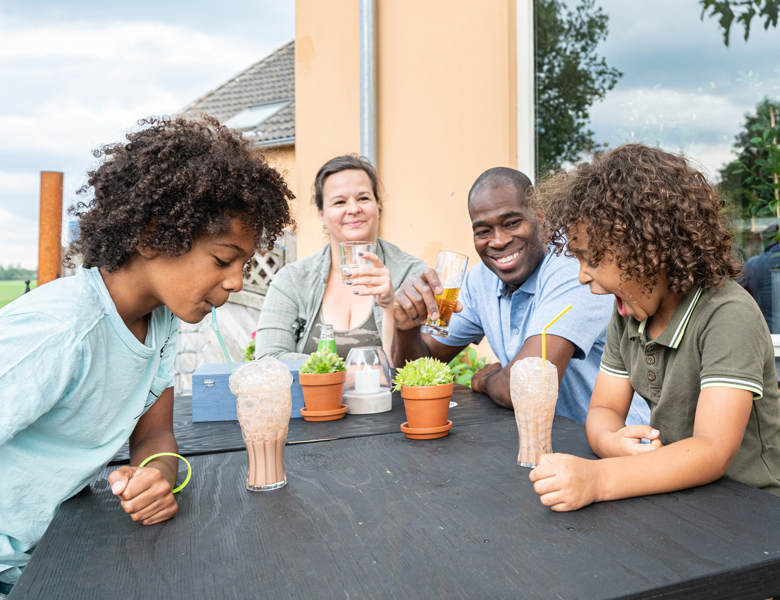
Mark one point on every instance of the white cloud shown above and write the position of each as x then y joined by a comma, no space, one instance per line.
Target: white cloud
18,240
19,194
107,41
699,124
82,84
76,85
17,183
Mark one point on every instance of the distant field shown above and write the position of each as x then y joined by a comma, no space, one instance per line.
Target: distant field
11,290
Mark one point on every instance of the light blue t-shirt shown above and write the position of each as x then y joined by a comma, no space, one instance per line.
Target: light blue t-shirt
509,319
73,383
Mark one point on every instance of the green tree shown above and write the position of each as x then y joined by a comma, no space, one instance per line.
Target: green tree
743,11
16,273
751,179
570,77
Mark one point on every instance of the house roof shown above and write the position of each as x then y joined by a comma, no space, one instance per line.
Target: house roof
272,80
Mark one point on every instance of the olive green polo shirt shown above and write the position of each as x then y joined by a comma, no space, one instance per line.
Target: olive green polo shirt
716,337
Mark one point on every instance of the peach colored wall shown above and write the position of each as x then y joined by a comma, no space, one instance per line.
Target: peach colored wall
283,160
446,113
447,106
327,100
447,110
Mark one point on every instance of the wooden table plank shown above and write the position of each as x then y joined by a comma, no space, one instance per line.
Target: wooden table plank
385,517
225,436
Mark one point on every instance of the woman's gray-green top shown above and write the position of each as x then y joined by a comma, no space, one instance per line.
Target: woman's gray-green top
360,336
295,297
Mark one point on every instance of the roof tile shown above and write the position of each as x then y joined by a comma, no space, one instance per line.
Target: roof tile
271,79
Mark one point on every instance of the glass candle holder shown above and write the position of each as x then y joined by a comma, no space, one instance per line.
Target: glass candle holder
367,387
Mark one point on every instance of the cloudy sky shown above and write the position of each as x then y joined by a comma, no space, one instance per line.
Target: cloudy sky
682,88
78,74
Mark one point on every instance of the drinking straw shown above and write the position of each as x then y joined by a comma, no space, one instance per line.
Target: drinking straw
222,342
544,333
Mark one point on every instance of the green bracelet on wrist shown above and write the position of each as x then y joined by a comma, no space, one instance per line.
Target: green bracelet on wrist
189,467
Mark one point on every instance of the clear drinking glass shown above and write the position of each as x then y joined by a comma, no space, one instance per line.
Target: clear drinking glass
451,268
533,387
263,404
351,260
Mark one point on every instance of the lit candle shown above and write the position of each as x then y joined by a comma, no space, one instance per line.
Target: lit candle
367,380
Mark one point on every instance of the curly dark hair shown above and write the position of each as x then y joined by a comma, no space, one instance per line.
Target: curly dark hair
172,182
650,210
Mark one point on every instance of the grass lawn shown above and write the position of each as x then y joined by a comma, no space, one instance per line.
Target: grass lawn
11,290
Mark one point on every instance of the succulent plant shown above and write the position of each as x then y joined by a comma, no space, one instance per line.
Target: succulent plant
424,371
322,361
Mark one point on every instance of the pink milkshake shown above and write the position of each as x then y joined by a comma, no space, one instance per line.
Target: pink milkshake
534,391
263,405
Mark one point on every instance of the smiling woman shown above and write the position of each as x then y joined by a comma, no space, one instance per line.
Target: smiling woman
310,292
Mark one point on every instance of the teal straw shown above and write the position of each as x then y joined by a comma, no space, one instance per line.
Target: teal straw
219,337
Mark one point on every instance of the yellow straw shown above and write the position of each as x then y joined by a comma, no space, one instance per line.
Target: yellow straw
544,333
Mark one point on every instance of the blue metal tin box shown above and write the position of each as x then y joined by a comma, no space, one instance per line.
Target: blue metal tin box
212,399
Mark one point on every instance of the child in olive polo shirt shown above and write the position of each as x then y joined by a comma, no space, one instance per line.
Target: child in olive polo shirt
645,226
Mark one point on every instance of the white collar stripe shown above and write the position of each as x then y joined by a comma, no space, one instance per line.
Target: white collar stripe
683,324
612,371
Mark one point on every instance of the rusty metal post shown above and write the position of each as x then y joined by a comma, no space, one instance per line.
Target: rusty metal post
50,227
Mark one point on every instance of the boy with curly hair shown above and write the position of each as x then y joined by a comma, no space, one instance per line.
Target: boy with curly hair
646,227
87,361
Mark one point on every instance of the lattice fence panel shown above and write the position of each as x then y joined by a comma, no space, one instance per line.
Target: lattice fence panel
265,265
262,269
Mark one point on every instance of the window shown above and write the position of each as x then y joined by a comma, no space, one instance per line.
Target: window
251,117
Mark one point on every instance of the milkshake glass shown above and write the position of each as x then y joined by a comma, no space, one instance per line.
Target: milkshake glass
533,386
263,404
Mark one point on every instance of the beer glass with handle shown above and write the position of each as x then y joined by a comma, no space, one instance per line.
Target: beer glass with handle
451,269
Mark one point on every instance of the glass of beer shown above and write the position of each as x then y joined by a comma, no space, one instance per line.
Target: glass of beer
451,269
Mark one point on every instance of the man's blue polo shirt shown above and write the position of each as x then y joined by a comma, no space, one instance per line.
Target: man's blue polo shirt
508,319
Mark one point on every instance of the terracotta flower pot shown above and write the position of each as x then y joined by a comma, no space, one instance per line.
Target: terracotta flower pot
322,391
427,406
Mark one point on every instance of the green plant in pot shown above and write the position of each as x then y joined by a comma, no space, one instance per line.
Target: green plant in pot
322,378
426,387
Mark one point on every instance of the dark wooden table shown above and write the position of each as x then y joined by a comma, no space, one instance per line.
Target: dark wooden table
225,436
380,516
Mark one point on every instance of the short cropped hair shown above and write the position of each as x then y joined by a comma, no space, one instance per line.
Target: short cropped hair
501,177
650,210
172,182
347,162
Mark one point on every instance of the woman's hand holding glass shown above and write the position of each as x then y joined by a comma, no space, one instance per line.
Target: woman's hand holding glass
373,280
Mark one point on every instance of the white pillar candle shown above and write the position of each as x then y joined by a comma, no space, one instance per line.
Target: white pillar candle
367,381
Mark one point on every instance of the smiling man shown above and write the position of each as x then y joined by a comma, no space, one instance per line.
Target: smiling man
509,297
